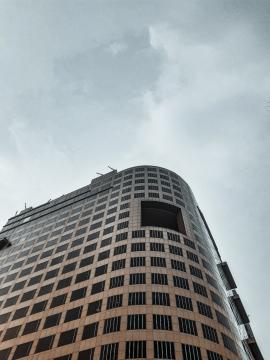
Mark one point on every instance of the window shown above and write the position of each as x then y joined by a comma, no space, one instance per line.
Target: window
106,242
73,314
136,321
90,248
86,354
137,278
164,350
138,234
135,350
180,282
199,289
137,261
159,298
67,337
109,352
117,281
160,279
45,343
158,261
120,250
51,274
4,354
162,322
183,302
101,270
173,237
104,255
189,243
211,355
94,307
138,247
161,214
178,265
64,357
187,326
195,272
191,352
22,350
122,225
52,320
112,324
82,276
175,250
73,254
98,287
26,296
58,300
78,294
211,281
210,333
45,289
192,257
137,298
229,343
64,283
31,327
90,331
114,301
35,280
118,264
87,261
204,309
123,215
222,320
216,298
68,268
157,247
20,313
11,333
121,237
156,234
39,307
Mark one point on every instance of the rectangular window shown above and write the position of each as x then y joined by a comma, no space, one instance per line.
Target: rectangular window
118,264
11,333
187,326
162,322
100,270
164,350
189,243
117,281
82,276
158,261
73,314
137,278
193,257
136,321
137,298
180,282
223,320
94,307
121,237
52,320
20,313
22,350
78,294
195,272
229,343
122,225
210,333
67,337
159,298
58,300
173,237
135,350
106,242
175,250
138,234
109,352
138,247
178,265
114,301
90,331
45,343
85,354
191,352
104,255
120,250
137,261
98,287
112,325
31,327
204,309
156,234
160,279
211,355
199,289
157,247
183,302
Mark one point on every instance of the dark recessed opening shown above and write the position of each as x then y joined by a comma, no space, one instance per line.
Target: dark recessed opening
154,213
4,243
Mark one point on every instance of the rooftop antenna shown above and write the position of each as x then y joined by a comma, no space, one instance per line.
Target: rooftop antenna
111,168
99,174
24,205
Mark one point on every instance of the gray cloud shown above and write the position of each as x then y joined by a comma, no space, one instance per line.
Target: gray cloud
184,85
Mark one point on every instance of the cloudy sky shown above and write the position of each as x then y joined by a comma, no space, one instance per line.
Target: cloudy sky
180,84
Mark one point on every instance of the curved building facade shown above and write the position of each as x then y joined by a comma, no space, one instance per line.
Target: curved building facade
123,268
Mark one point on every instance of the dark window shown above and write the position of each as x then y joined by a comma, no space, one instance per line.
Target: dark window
78,294
222,320
121,237
178,265
195,272
82,276
158,261
138,247
136,321
98,287
31,327
86,354
58,300
20,285
137,261
67,337
106,242
11,333
64,283
180,282
164,350
101,270
112,324
94,307
175,250
35,280
109,352
156,234
120,250
157,247
20,313
184,302
192,257
90,248
161,279
138,233
90,331
210,333
211,355
45,289
28,295
39,307
159,298
191,352
51,274
45,343
162,322
12,301
87,261
189,243
64,357
135,350
117,281
229,343
204,309
68,268
73,254
173,237
93,236
22,350
52,320
104,255
137,298
108,230
4,354
137,278
160,214
187,326
118,264
73,314
199,289
114,301
216,298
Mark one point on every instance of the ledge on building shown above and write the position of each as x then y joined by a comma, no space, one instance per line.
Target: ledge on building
224,268
235,298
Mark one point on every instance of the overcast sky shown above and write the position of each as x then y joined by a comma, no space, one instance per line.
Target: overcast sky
180,84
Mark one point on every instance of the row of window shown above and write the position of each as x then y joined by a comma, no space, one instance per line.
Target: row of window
133,350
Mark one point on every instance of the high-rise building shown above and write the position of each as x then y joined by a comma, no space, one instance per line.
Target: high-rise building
123,268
